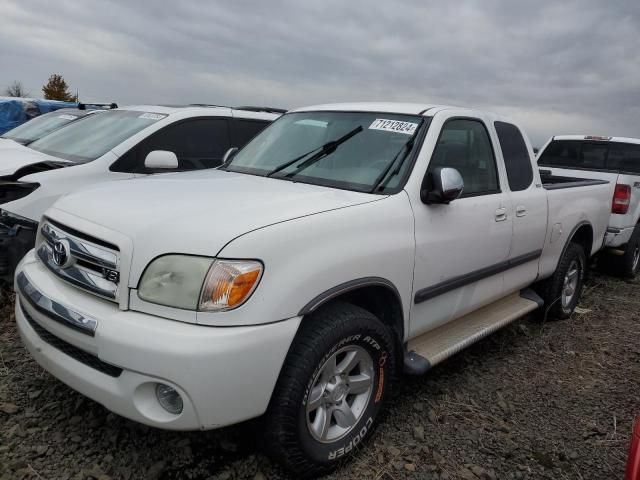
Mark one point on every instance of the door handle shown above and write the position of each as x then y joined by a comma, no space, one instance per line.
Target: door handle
501,214
521,211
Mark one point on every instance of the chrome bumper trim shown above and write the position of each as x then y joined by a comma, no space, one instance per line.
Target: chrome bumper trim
53,309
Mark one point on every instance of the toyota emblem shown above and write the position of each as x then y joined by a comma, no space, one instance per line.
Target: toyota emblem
61,253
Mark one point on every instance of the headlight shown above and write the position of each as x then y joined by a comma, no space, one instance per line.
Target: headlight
199,283
174,280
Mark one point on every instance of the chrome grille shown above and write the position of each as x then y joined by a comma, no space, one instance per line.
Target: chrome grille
81,260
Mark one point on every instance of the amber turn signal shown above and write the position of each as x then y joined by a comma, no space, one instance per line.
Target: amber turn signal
229,284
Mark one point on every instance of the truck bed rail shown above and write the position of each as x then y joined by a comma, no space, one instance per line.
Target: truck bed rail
557,182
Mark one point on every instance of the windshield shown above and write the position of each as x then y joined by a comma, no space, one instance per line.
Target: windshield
39,127
351,150
95,135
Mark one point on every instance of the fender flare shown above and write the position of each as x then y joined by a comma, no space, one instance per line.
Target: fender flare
570,238
349,286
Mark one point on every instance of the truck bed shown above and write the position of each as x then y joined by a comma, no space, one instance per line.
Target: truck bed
570,206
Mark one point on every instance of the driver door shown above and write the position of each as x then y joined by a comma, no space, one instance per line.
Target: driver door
461,247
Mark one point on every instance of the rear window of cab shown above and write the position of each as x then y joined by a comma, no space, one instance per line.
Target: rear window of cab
592,155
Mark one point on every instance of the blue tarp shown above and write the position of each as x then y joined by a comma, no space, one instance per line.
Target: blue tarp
15,111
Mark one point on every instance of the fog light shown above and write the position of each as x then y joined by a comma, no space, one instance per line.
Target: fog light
169,398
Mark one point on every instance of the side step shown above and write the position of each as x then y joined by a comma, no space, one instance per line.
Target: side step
434,346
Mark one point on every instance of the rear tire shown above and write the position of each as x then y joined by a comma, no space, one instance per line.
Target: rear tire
331,390
562,291
628,264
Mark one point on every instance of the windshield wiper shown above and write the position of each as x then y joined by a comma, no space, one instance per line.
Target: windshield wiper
400,157
325,150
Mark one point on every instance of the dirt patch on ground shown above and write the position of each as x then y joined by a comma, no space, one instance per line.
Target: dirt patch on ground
534,401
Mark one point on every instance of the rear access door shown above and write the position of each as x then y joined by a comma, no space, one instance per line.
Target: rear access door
528,208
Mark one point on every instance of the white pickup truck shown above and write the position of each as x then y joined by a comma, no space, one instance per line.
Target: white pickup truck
342,246
115,145
617,160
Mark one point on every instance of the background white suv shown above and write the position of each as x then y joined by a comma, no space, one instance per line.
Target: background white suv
114,145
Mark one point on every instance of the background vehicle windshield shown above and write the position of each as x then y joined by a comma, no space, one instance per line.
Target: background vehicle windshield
95,135
39,127
356,164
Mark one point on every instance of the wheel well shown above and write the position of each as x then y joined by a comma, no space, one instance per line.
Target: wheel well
583,236
381,301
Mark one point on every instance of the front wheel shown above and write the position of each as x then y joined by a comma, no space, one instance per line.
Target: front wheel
332,388
562,291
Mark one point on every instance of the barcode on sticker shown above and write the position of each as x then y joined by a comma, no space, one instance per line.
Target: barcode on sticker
152,116
67,117
393,126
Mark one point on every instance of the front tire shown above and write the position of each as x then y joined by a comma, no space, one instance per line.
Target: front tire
332,388
562,291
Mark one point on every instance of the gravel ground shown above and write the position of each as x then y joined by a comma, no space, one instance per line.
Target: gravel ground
549,401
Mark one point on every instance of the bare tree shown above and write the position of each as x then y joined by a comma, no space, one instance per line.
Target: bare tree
16,90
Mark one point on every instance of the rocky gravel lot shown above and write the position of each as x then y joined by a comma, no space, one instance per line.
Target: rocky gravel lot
534,401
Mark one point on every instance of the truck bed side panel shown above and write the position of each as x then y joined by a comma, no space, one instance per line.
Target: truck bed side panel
570,208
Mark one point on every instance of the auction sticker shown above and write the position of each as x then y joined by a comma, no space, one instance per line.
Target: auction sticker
152,116
393,126
67,117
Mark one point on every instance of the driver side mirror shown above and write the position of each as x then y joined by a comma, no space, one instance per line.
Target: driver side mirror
441,185
161,159
229,154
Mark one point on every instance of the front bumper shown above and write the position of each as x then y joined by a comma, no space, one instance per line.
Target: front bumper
17,237
224,375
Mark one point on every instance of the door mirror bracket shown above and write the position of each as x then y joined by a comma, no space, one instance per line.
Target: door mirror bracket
229,154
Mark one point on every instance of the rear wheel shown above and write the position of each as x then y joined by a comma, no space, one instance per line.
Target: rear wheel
628,264
333,385
562,291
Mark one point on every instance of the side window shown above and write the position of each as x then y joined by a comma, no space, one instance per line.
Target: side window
245,130
465,145
198,143
624,157
516,156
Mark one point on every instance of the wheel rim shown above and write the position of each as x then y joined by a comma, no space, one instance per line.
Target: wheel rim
570,285
636,259
340,394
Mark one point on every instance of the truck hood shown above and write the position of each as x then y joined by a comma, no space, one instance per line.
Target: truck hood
15,156
198,212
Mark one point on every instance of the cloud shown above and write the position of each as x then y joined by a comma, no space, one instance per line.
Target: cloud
556,67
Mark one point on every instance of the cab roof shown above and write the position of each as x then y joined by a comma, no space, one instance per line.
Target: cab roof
389,107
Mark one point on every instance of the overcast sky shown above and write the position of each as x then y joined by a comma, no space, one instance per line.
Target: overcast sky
556,66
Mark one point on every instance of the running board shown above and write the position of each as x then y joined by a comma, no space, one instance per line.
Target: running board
434,346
